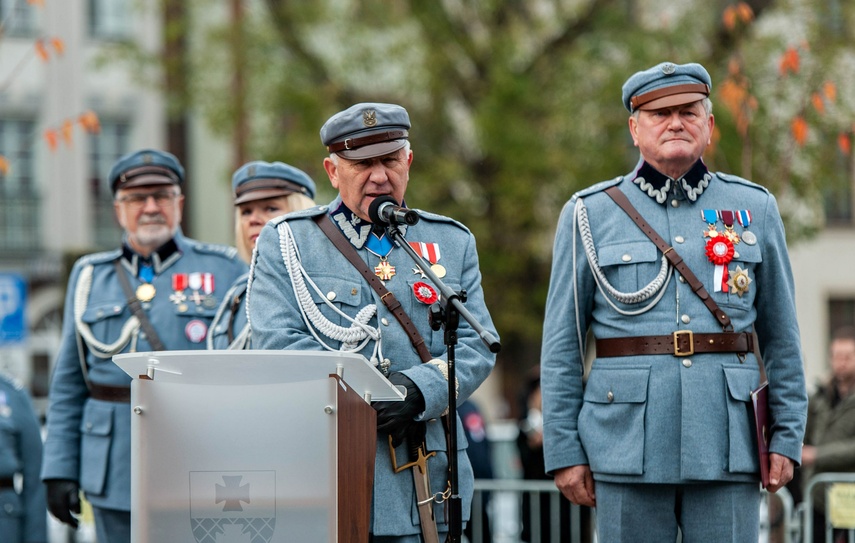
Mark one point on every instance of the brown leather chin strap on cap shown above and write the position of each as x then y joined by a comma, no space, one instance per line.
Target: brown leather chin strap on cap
689,88
353,143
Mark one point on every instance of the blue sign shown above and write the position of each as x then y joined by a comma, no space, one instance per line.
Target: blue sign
13,301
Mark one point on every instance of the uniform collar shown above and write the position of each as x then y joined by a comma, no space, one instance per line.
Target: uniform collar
657,185
354,228
159,260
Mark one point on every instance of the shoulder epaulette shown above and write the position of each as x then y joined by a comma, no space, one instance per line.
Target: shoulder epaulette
100,258
599,187
302,214
434,217
212,248
730,178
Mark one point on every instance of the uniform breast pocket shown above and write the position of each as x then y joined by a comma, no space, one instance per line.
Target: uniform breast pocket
629,266
611,422
106,319
337,295
740,270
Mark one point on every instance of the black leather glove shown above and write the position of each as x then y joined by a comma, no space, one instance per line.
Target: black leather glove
394,418
63,499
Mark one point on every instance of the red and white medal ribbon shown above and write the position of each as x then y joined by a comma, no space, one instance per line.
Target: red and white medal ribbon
428,251
207,283
720,252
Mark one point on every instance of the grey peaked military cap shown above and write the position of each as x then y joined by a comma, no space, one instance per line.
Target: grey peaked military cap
258,180
665,85
366,130
145,167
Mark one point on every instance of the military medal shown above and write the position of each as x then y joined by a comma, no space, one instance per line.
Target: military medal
179,283
431,253
194,281
710,217
719,251
196,331
727,217
425,293
418,271
744,218
145,292
739,281
384,270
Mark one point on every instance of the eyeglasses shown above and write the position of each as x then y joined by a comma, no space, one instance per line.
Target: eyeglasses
161,198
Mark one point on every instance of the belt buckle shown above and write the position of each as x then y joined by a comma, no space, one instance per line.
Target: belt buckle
677,351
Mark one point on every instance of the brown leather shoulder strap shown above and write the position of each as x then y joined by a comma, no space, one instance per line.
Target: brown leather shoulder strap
389,300
675,259
137,310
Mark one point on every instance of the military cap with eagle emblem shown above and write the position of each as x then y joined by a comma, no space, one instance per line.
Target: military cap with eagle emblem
666,85
366,130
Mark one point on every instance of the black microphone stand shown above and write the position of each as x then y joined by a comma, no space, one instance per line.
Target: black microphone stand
446,314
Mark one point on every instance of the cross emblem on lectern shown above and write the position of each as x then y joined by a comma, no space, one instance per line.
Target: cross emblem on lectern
232,493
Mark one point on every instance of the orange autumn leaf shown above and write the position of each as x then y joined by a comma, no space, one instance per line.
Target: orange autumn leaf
58,45
817,102
50,136
40,3
89,121
67,132
789,62
728,18
41,50
844,142
799,128
829,89
4,165
744,12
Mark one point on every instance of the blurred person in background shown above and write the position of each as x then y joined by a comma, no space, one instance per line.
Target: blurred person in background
830,435
478,451
23,516
262,191
158,291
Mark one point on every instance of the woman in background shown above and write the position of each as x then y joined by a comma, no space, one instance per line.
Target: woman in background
262,191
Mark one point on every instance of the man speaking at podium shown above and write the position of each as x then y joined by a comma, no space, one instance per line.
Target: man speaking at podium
305,294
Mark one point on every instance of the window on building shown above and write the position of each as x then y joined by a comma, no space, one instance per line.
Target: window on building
18,18
110,19
105,148
19,199
838,195
841,312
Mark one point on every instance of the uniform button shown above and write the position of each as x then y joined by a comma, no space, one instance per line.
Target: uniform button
385,321
675,203
626,258
330,295
686,319
687,363
610,396
117,309
682,279
679,239
353,291
99,313
88,425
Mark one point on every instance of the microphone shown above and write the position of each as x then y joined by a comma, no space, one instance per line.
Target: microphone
385,210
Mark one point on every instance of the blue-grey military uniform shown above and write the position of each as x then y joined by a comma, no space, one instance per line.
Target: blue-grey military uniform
23,517
88,420
663,418
254,180
275,317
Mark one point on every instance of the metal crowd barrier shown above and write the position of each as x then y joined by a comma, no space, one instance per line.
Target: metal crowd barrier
807,510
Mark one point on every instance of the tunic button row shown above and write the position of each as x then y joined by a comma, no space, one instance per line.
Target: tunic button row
685,319
687,363
675,203
679,239
681,278
610,396
385,321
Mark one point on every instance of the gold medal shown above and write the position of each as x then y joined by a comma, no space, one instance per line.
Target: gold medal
145,292
438,269
739,281
384,270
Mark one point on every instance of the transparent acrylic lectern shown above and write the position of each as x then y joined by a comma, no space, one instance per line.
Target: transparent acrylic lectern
252,446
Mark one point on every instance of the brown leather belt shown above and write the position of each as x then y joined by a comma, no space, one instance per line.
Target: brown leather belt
7,482
680,343
109,393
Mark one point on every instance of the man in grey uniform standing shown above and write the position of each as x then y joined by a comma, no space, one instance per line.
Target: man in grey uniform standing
304,294
659,437
159,291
